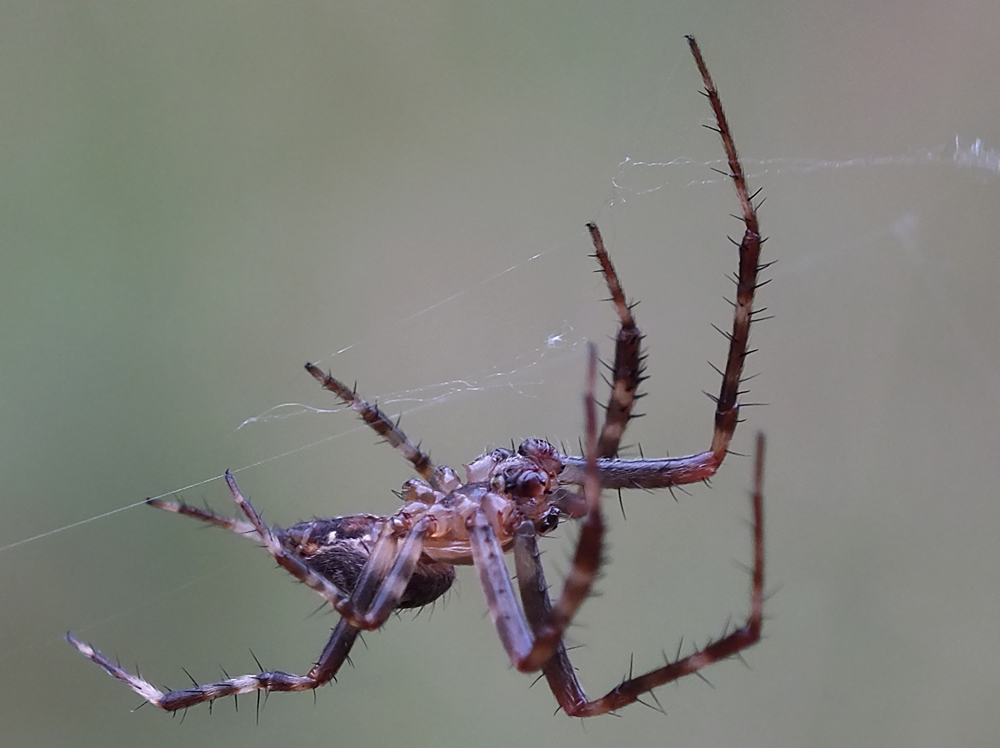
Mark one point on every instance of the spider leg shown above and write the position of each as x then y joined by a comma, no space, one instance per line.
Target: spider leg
378,592
628,357
385,576
382,426
529,648
692,468
205,515
642,473
558,670
383,579
333,656
549,629
727,407
487,557
287,560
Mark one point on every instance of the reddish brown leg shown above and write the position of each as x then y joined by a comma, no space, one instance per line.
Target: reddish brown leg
558,670
543,619
379,590
727,408
533,638
275,540
627,369
439,478
326,668
587,558
662,473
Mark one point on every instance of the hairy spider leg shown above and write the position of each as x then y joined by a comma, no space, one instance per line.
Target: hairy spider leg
529,647
383,579
628,367
727,407
541,617
405,561
379,590
559,671
533,638
206,515
384,427
334,654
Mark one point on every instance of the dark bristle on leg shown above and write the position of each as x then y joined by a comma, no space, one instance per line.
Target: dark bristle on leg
628,366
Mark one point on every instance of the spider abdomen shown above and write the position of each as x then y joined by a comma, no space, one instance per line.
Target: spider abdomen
339,547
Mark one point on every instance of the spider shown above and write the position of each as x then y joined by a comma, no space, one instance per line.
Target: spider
367,566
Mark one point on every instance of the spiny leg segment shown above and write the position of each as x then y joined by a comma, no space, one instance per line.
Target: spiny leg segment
628,366
382,581
727,407
530,644
533,639
384,427
378,593
334,654
206,515
541,617
559,671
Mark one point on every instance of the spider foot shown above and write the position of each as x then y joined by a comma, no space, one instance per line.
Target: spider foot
172,701
142,687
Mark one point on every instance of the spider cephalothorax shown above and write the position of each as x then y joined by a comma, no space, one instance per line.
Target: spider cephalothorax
366,566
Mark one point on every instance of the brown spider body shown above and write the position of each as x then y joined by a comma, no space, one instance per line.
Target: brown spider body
338,549
512,488
366,566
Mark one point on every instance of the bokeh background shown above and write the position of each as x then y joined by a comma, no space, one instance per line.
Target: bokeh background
198,197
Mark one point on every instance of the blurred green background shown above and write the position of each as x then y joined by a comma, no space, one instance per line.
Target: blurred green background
198,197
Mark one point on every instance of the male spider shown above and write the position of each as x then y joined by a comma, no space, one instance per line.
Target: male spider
366,566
